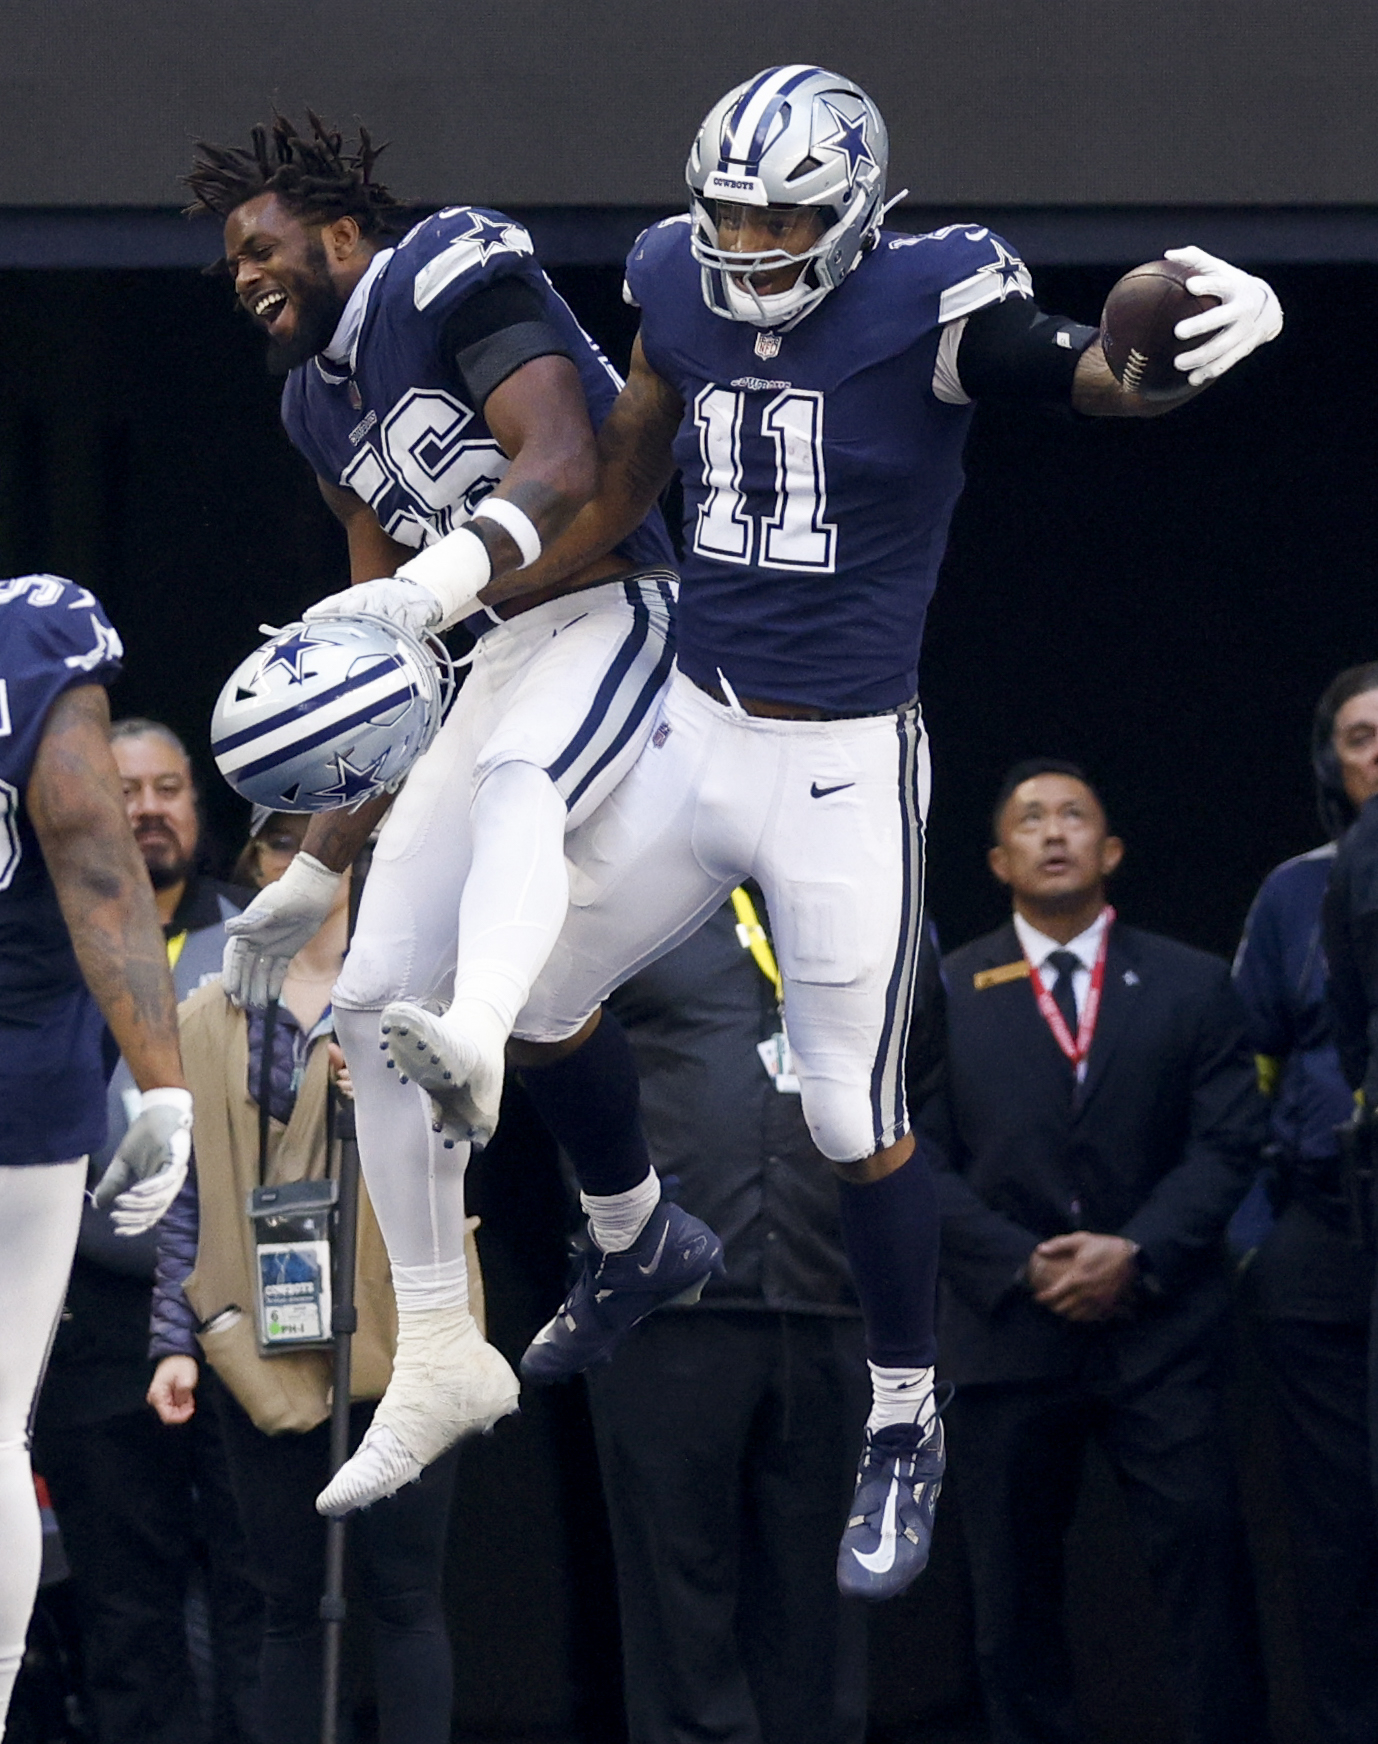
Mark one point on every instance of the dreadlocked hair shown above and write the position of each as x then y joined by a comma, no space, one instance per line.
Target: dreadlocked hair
314,177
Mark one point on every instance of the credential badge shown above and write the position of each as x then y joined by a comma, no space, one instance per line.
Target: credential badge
767,346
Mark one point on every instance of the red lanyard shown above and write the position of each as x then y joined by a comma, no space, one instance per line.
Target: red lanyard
1076,1051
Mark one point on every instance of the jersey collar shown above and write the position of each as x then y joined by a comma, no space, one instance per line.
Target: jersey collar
345,339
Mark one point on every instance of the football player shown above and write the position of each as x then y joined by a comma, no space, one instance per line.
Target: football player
81,946
446,398
811,375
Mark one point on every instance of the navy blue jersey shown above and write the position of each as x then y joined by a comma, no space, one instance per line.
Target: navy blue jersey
53,635
392,422
820,467
1280,972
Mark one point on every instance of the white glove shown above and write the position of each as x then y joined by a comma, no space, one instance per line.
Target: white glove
395,597
1248,315
146,1173
282,918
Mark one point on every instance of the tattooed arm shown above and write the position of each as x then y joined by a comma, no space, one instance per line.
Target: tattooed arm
73,800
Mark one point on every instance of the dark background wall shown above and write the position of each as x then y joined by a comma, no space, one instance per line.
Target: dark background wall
537,102
1163,601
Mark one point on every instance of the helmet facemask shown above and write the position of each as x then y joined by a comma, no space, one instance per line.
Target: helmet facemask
792,138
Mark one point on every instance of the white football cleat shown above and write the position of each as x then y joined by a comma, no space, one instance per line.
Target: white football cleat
457,1060
447,1382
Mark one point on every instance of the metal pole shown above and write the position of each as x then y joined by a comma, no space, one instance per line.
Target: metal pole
344,1321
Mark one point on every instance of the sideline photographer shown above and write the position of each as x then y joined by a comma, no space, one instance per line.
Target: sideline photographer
262,1121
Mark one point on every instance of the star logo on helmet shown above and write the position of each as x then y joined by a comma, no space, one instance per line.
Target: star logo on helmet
290,654
351,784
848,141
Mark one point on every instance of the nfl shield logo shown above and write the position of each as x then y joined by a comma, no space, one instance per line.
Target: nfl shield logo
767,346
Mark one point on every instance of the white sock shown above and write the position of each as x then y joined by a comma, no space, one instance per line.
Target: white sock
439,1286
900,1396
616,1219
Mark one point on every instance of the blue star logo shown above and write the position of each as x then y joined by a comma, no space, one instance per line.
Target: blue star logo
351,784
1009,269
493,236
290,654
849,140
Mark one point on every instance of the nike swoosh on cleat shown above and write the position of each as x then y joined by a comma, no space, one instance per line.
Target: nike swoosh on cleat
817,792
882,1559
655,1258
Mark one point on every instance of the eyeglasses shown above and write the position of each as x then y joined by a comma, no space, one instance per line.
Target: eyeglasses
280,843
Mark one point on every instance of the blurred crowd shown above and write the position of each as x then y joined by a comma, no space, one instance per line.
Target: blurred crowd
1141,1156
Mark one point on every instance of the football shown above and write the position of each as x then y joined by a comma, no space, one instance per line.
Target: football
1136,327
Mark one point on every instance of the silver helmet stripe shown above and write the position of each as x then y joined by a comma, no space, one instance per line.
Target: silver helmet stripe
749,125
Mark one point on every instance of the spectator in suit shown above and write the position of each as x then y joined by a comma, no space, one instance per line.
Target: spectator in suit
1099,1123
1309,1284
145,1508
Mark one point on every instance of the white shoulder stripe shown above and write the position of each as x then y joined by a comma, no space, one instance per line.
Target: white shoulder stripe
463,255
991,285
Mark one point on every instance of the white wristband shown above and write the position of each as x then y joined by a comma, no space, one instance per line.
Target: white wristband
455,569
515,523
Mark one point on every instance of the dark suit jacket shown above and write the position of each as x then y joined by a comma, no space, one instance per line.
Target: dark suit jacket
1158,1144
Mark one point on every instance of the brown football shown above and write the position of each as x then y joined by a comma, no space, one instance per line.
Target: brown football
1136,326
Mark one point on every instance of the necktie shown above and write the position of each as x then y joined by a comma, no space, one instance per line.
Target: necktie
1064,992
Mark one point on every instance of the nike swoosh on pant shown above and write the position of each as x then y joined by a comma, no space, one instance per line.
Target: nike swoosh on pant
882,1558
817,792
655,1258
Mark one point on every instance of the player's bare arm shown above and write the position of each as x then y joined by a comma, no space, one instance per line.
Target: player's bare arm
540,418
635,463
1096,393
372,554
73,799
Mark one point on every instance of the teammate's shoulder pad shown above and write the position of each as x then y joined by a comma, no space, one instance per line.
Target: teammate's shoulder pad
63,620
457,249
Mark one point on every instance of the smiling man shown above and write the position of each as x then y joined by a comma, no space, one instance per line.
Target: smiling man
1099,1124
447,399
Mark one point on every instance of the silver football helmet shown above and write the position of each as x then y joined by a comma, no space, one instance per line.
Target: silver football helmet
330,713
791,136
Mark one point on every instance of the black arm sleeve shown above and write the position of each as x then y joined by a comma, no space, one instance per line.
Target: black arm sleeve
494,332
1013,351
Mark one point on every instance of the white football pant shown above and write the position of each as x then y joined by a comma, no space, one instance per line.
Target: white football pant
468,888
828,818
40,1212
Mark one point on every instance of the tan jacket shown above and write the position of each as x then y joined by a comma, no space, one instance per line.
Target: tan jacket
289,1391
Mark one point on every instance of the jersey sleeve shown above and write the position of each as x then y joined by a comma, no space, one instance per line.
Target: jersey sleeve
447,258
53,635
979,267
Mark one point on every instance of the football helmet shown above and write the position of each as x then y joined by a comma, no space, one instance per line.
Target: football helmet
791,136
329,714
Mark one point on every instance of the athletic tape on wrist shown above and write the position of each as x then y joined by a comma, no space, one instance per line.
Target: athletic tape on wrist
455,569
515,523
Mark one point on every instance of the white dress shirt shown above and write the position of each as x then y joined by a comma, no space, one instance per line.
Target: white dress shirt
1085,947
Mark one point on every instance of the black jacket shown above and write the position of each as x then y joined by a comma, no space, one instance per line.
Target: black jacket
1350,935
714,1119
1159,1145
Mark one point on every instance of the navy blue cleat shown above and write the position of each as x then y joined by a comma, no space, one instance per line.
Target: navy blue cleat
885,1544
670,1261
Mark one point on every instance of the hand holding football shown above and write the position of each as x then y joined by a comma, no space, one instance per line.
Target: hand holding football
1138,327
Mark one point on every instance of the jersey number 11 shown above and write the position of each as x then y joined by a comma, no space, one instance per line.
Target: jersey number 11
794,535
